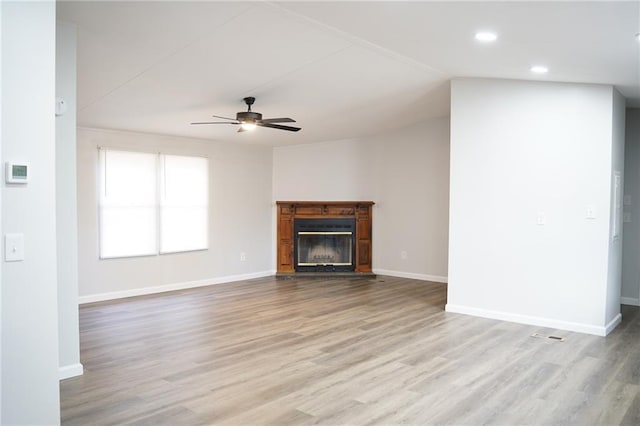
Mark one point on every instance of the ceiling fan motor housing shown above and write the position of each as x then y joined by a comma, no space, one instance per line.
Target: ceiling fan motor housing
248,117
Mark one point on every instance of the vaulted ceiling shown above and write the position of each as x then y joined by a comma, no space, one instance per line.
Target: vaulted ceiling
341,69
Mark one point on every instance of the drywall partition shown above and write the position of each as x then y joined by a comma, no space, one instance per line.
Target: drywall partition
1,375
616,228
531,172
66,201
631,208
240,218
405,172
30,393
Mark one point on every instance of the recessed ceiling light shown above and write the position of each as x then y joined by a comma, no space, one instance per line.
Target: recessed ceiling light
486,36
539,69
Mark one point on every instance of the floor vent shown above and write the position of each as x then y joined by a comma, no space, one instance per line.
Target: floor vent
559,339
542,336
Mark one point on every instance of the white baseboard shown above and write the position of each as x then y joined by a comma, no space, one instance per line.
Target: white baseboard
100,297
538,321
633,301
68,371
613,324
411,275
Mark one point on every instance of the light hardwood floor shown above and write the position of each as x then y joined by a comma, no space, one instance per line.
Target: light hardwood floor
335,351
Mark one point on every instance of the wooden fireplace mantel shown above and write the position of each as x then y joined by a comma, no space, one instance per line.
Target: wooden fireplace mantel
288,211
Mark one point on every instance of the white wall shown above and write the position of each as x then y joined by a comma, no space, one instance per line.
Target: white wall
631,240
614,280
29,311
411,224
336,170
66,203
1,159
523,152
240,219
404,172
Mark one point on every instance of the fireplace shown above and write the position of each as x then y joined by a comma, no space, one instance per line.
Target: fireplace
324,237
324,245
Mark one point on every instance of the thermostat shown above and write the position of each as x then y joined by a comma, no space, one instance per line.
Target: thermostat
17,172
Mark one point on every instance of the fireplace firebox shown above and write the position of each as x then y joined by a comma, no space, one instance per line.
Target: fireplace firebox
324,245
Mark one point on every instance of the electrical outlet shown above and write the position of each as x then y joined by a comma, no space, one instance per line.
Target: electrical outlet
403,255
541,218
243,257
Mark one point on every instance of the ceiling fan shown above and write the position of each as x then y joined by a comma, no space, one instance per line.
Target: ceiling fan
249,120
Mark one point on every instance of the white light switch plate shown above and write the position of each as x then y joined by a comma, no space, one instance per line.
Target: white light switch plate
13,247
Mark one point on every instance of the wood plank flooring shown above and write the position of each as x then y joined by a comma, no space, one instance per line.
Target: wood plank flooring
337,351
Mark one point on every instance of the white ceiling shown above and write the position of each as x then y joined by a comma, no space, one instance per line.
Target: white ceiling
341,69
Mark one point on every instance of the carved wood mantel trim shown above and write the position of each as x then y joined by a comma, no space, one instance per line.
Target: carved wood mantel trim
290,210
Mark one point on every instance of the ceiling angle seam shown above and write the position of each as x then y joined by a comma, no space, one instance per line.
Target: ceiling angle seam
359,40
298,68
165,58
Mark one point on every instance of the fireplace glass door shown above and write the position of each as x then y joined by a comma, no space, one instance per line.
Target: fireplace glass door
325,248
324,245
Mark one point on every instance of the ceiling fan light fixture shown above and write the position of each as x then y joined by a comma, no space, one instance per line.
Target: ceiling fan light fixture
247,126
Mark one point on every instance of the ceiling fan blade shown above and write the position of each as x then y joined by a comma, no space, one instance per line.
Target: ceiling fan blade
278,120
277,126
215,122
224,118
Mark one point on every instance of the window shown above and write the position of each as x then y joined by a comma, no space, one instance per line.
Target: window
152,203
184,204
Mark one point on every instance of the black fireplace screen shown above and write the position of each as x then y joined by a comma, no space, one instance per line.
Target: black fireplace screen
324,245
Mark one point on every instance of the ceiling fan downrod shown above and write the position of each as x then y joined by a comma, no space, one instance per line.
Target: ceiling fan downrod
249,100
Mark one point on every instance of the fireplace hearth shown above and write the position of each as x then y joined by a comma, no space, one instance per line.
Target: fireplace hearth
324,237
